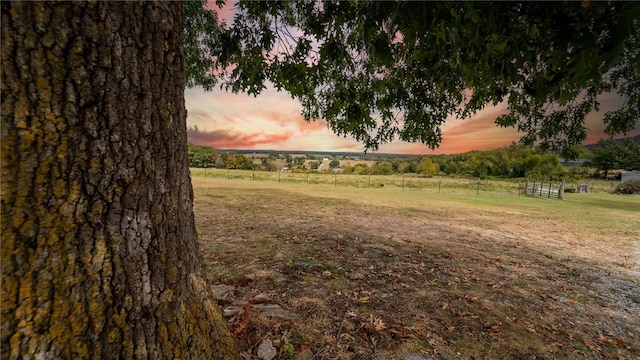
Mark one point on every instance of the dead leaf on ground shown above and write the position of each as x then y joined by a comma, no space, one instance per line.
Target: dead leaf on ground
374,324
460,313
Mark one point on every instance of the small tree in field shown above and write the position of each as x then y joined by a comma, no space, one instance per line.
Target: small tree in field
427,167
611,155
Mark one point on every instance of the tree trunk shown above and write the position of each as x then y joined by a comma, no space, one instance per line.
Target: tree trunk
99,252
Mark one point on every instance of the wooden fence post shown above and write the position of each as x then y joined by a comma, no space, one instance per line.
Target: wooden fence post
561,191
533,189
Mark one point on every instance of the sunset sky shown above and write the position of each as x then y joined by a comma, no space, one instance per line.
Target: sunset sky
272,121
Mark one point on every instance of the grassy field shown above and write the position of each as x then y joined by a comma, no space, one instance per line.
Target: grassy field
437,184
386,272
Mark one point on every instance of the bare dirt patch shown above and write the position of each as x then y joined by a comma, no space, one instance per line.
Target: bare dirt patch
369,280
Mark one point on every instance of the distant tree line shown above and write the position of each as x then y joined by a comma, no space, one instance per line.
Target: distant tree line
202,156
513,161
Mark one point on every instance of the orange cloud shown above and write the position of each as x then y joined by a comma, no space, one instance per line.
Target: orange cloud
473,125
310,126
286,120
229,139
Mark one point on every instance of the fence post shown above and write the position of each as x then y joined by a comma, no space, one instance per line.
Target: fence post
561,191
533,189
549,193
279,171
540,189
253,174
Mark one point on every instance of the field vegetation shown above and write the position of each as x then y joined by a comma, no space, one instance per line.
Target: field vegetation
357,272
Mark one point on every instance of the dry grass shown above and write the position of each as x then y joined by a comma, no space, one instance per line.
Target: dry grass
445,276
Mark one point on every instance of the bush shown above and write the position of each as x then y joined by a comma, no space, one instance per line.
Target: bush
628,187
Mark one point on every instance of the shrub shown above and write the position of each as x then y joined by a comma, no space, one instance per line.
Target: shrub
628,187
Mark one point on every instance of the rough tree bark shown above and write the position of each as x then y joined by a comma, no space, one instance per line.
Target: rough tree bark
99,252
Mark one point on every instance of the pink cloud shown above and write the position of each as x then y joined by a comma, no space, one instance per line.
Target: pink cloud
229,139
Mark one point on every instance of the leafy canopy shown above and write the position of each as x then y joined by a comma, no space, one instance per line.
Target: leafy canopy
378,71
612,155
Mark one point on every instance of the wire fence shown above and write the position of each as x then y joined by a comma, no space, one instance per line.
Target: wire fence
436,184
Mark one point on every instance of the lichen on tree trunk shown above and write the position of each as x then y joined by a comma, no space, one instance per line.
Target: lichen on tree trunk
99,253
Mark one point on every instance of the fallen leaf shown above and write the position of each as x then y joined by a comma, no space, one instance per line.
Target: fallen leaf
460,313
401,334
378,324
